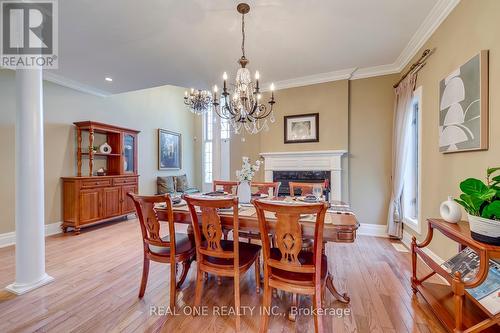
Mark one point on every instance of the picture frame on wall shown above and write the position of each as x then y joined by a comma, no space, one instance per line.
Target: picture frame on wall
169,150
463,107
301,128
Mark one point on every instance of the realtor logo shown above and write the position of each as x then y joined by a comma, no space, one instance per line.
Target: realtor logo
28,33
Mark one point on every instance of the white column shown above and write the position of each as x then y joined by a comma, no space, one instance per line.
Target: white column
30,215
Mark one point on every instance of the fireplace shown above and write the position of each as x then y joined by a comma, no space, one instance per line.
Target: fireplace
306,166
284,177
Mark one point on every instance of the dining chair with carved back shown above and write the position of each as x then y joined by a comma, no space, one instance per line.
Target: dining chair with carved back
226,185
173,248
266,188
287,267
306,188
215,255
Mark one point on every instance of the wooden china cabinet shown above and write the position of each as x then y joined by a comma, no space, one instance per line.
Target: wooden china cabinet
89,198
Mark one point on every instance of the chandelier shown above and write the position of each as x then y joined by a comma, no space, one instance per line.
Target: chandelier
198,101
242,107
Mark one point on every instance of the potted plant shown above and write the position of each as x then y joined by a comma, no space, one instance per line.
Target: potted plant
245,176
482,203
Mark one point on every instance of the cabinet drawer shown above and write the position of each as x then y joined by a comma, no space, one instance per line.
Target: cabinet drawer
346,236
96,182
124,181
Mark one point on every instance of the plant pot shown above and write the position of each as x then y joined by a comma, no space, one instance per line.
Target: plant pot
244,192
484,230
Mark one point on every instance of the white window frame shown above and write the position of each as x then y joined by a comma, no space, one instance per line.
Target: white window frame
208,135
416,224
220,149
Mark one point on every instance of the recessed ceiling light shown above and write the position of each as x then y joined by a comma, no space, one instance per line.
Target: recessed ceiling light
108,79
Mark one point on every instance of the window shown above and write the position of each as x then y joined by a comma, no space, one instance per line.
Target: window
410,199
225,129
225,148
208,125
216,143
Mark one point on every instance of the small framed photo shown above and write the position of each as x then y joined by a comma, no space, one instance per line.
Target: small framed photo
302,128
169,150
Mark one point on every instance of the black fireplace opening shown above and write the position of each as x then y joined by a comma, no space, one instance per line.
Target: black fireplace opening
300,176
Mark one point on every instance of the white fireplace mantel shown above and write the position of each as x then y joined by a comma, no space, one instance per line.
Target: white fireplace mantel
322,160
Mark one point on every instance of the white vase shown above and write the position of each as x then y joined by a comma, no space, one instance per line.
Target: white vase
244,192
451,211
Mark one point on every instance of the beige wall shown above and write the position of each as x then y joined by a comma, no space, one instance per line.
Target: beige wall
371,103
329,99
471,27
354,116
144,110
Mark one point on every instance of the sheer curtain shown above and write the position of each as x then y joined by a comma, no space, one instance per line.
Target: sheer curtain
400,143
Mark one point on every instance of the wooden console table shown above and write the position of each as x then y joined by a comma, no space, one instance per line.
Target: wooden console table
453,306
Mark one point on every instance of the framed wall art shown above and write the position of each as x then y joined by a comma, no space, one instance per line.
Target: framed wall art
302,128
169,150
463,107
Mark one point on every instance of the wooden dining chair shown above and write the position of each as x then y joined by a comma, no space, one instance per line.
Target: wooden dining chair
287,267
264,187
174,248
226,185
306,188
261,188
218,256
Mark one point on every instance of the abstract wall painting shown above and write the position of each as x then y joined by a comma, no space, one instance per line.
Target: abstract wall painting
463,107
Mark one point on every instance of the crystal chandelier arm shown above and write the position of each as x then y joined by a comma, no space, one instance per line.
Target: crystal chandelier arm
227,106
265,111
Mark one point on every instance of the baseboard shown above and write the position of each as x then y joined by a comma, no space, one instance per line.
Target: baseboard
377,230
9,238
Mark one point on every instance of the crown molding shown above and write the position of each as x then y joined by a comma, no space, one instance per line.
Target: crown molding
366,72
65,82
438,14
433,20
343,74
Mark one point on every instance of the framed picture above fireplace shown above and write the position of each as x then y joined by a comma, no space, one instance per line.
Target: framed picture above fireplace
302,128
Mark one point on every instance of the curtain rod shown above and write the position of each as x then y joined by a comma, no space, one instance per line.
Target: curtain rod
416,66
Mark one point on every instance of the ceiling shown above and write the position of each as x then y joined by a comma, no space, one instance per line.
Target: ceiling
189,43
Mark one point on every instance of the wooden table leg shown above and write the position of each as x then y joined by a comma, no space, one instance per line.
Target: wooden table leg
342,298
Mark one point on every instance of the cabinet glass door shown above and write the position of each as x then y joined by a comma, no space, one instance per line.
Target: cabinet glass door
128,153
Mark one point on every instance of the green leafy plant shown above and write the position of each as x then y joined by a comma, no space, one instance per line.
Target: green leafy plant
480,199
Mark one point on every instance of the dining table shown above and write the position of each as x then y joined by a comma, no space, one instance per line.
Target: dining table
340,226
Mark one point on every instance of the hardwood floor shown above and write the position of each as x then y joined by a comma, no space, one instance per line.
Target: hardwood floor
95,290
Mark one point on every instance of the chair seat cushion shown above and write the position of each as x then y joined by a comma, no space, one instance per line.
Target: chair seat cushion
305,258
248,253
182,245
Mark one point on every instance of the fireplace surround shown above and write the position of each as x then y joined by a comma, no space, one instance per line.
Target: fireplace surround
327,161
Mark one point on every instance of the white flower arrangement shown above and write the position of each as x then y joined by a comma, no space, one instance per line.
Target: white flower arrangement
248,170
